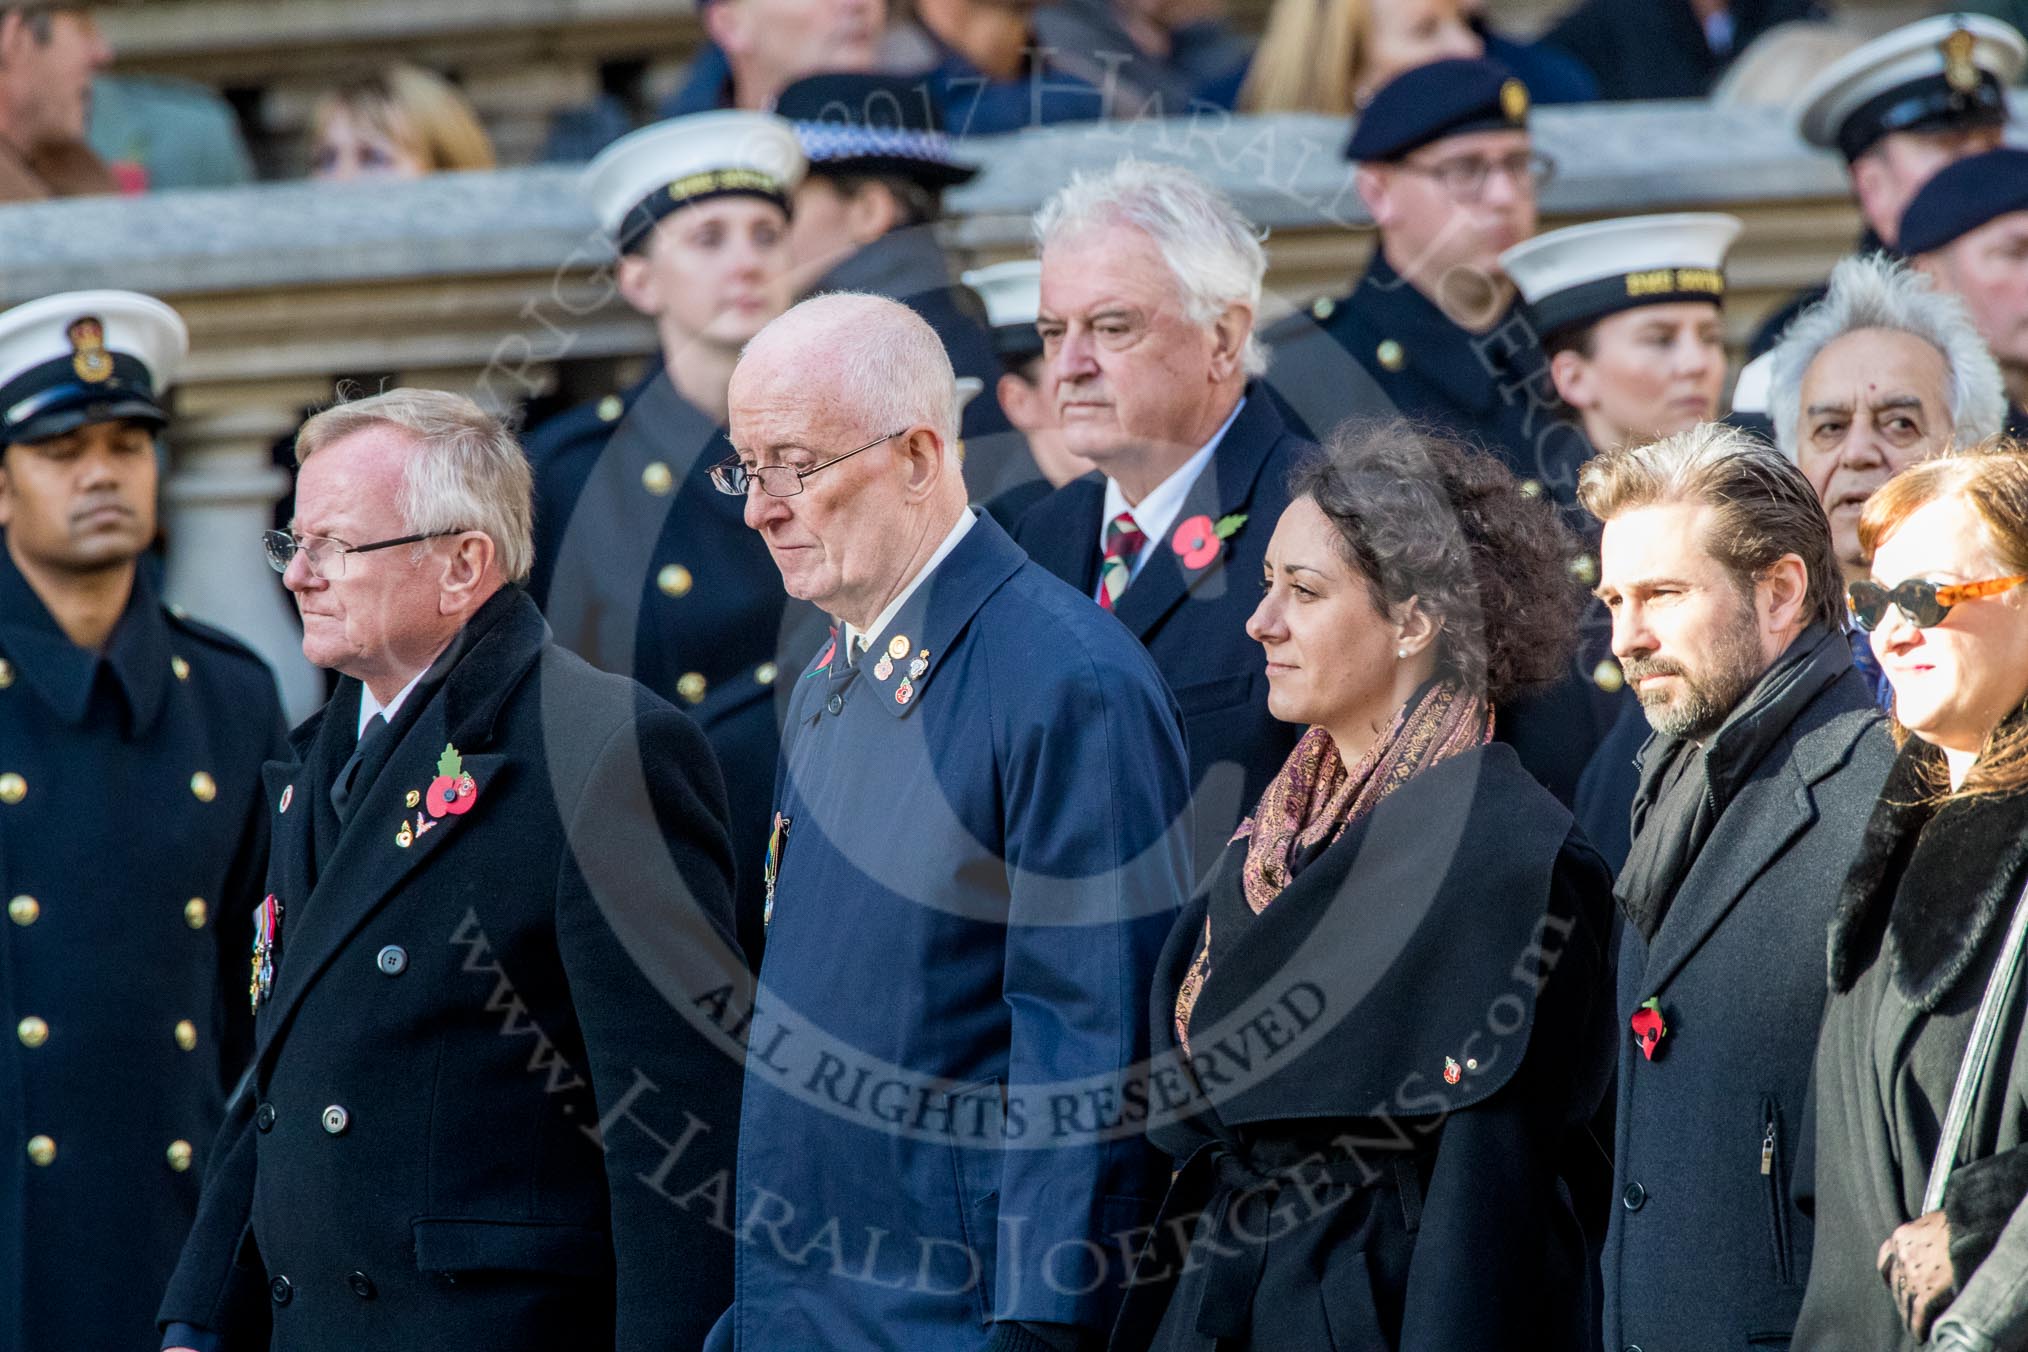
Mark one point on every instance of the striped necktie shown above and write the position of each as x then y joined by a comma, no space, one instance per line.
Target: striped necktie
1116,567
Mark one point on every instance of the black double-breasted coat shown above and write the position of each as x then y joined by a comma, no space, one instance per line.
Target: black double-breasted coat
484,1081
1385,1068
131,853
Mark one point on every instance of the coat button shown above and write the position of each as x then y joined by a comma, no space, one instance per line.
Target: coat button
336,1119
6,673
280,1291
657,479
691,686
195,912
264,1117
362,1286
32,1031
186,1035
24,910
203,786
41,1151
392,960
179,1156
765,673
13,788
180,668
675,580
611,407
1634,1197
1323,307
1391,355
1608,677
835,705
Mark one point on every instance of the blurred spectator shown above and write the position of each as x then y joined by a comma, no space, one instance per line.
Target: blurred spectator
163,133
48,57
401,122
865,216
995,71
1667,49
1768,73
758,47
1334,56
1158,57
1551,74
1968,229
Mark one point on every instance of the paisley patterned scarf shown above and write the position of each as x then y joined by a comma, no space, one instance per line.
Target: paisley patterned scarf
1316,797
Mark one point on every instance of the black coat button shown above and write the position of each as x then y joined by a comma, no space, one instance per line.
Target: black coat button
264,1117
835,705
362,1286
280,1291
392,961
1634,1197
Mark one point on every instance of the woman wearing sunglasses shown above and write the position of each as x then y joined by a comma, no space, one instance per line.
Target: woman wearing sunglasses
1922,1072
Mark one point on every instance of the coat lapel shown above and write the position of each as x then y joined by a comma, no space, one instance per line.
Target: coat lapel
1067,542
1225,488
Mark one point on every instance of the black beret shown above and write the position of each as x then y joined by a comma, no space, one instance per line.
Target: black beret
1428,103
883,125
1964,196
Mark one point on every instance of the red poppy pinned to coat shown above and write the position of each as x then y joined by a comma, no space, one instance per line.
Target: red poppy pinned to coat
1197,541
1649,1027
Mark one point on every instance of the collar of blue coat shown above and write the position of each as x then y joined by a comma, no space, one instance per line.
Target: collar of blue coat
138,653
933,618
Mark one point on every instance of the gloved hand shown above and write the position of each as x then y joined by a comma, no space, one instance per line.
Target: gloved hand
1915,1262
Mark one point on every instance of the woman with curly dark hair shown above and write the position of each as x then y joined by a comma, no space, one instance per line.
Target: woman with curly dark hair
1385,1011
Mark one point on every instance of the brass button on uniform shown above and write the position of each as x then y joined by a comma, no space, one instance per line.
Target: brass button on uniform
1585,569
336,1119
13,788
1391,355
180,667
1608,677
32,1031
41,1151
204,786
186,1035
691,686
24,910
675,580
195,913
611,407
6,673
1531,488
765,673
657,479
179,1154
1322,308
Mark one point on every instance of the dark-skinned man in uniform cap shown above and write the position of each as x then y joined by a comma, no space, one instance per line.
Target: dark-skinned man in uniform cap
1968,229
1897,109
131,840
639,566
866,213
499,882
1433,331
1629,311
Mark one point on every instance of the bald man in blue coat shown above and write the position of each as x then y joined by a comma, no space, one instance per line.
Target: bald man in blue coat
980,838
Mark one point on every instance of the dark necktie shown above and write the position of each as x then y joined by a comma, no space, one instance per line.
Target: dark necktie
348,775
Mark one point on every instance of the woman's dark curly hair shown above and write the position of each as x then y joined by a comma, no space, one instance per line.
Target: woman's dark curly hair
1421,515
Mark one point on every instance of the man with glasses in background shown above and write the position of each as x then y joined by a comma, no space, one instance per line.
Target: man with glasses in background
131,840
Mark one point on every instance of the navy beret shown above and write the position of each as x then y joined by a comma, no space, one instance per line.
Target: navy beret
1428,103
1964,196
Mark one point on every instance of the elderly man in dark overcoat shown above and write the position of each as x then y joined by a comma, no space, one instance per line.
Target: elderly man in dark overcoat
499,886
978,845
1765,759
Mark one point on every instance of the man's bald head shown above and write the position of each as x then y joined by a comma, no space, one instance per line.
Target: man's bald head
862,352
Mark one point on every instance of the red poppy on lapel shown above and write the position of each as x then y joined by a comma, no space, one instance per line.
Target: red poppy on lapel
1198,541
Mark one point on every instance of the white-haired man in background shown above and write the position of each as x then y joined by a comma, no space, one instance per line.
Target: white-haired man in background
1881,372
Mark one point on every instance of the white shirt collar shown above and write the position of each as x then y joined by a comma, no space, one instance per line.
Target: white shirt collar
965,522
1156,512
369,706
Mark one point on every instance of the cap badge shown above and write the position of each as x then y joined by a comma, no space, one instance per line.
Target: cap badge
1514,100
1961,73
91,361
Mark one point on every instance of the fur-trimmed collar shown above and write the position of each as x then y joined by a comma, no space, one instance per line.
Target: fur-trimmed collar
1927,885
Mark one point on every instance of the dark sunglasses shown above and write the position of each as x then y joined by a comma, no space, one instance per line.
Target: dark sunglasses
1924,602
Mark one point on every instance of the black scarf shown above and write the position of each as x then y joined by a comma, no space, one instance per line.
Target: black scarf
1685,786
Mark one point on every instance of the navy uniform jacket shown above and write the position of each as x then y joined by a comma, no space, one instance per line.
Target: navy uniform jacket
975,880
1707,1248
474,1094
1193,621
643,568
131,856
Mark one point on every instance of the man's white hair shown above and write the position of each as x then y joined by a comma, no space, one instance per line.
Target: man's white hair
886,354
1214,251
1877,292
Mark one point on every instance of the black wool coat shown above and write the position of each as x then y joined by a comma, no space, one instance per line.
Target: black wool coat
1709,1134
1385,1068
478,1087
1193,620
